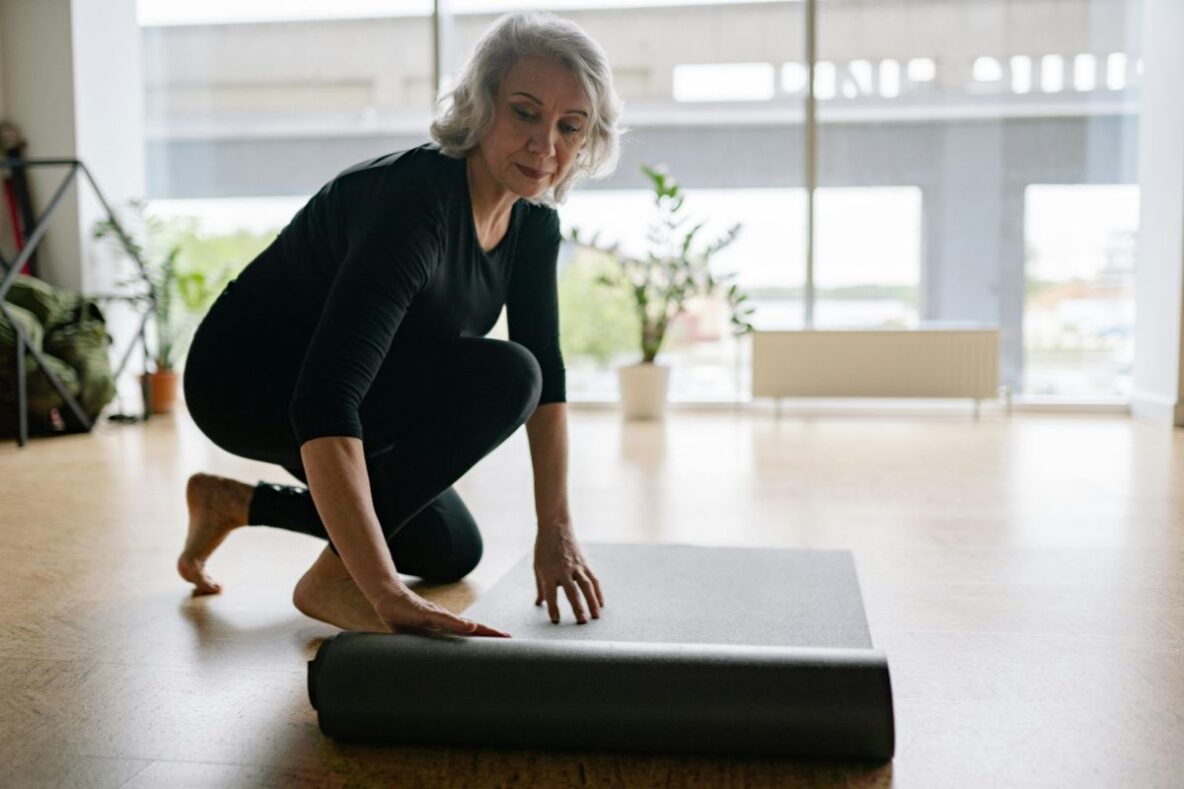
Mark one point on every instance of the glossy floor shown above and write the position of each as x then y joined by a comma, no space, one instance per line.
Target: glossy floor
1024,575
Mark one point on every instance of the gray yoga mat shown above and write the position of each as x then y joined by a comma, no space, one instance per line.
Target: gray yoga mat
697,650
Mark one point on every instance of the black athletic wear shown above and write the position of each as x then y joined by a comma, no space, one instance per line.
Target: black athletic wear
388,251
365,318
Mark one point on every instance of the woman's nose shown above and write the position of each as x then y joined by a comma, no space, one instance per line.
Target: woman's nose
542,142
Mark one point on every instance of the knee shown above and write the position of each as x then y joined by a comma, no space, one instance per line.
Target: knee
458,562
466,560
519,377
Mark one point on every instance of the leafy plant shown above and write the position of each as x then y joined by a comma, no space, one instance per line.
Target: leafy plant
595,323
176,295
674,269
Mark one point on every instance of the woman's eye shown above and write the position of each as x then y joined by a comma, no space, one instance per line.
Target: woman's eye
565,128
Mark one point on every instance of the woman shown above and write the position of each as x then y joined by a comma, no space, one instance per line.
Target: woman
352,351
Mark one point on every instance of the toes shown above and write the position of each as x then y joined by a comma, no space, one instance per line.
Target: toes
192,572
207,587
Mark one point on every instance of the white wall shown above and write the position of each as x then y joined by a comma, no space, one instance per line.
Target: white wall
38,72
1159,327
71,81
109,119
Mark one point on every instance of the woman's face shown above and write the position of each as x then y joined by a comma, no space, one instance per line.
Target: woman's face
540,123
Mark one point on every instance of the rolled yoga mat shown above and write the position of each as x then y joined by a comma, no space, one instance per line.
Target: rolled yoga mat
697,650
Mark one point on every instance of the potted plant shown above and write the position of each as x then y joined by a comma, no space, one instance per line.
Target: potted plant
674,269
175,296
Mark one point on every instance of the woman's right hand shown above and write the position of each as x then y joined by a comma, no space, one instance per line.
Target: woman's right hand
340,485
406,612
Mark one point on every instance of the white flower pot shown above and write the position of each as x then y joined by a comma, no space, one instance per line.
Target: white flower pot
643,390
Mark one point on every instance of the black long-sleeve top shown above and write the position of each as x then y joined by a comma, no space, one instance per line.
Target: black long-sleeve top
389,247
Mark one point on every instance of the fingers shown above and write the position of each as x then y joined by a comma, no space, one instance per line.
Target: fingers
434,619
552,604
573,597
596,586
446,620
406,612
485,630
584,582
586,587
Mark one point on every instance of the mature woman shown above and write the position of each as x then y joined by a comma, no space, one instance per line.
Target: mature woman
352,351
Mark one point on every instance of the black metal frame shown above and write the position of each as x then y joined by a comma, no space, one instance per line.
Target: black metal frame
23,343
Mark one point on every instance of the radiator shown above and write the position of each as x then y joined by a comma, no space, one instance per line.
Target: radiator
896,363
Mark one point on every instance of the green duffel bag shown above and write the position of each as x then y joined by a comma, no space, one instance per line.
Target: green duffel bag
43,398
72,335
28,322
51,306
84,346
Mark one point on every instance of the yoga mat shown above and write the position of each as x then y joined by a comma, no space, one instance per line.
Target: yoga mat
698,650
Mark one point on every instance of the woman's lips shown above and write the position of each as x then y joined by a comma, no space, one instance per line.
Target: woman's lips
536,175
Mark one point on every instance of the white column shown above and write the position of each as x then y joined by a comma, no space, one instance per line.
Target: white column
109,118
72,83
1159,324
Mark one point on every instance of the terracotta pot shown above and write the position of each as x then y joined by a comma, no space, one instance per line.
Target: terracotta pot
162,394
643,390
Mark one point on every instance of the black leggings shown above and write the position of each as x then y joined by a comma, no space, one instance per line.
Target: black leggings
433,411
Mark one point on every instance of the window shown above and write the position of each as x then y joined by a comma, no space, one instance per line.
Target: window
1021,73
1085,72
724,82
1079,305
922,70
824,80
1116,70
955,183
938,171
889,79
1052,73
793,78
987,70
868,279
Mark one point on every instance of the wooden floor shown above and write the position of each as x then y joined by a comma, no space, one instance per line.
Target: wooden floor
1025,577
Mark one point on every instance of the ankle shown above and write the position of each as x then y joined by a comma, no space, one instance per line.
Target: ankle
330,567
244,495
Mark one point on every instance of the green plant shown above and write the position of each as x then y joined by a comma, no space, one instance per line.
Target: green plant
595,323
673,269
177,295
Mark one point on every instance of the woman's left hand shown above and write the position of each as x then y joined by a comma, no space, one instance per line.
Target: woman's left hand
559,562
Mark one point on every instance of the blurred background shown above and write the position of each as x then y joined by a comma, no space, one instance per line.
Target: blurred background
977,160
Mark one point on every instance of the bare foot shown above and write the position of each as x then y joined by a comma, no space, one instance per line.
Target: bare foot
328,592
217,505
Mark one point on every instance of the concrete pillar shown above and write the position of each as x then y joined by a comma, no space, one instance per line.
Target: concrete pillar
1159,285
72,82
972,268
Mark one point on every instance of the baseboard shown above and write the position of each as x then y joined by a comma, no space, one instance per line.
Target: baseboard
1151,407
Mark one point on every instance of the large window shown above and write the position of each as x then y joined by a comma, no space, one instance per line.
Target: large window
974,159
868,257
1079,305
1015,123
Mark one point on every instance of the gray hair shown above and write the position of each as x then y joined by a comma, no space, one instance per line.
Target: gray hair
460,127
